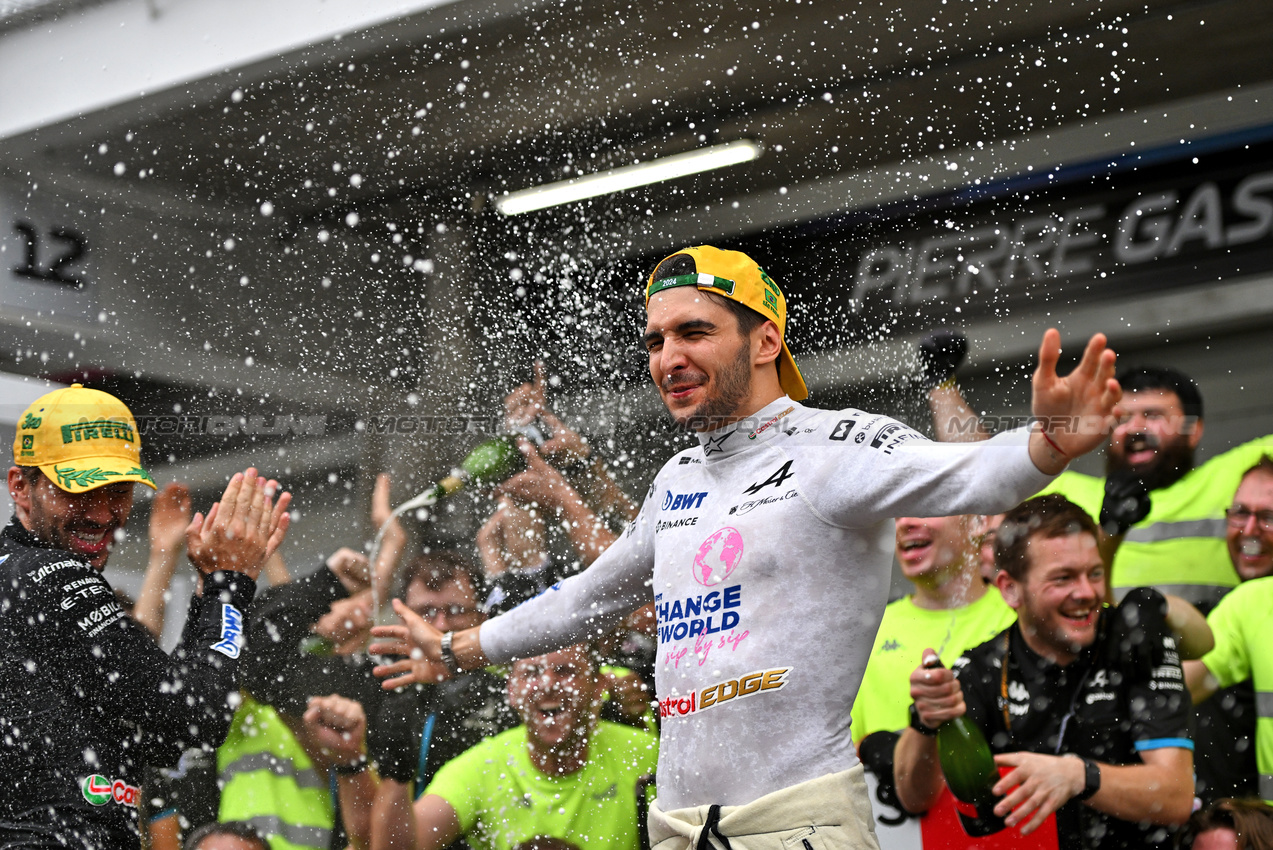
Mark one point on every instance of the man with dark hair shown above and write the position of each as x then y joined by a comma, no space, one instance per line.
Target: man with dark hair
1084,705
1178,546
1243,626
776,502
951,608
230,835
88,698
1173,539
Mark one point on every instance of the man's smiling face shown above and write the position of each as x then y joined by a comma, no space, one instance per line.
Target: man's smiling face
557,696
700,360
82,523
1060,599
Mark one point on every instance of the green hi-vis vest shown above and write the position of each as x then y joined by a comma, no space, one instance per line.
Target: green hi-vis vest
1179,548
1244,634
883,701
270,782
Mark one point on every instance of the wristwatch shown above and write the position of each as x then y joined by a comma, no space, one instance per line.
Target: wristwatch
918,725
354,768
448,655
1092,777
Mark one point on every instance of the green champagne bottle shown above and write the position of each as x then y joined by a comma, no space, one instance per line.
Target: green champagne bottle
970,769
490,462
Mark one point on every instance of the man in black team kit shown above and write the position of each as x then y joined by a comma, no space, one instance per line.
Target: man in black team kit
88,698
1085,704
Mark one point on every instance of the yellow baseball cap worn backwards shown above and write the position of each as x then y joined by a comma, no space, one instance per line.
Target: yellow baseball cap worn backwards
80,439
736,276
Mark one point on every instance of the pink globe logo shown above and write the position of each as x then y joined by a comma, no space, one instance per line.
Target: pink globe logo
718,557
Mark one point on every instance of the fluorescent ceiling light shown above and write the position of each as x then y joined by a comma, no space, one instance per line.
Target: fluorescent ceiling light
628,177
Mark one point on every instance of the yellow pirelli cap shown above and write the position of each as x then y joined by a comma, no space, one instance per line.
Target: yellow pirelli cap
736,276
80,439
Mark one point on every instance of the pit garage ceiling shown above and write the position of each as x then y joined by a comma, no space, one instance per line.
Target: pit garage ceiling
456,102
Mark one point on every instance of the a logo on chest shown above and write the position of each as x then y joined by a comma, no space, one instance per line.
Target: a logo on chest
718,557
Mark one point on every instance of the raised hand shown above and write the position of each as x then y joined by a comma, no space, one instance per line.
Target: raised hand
242,530
513,538
528,402
1075,413
539,484
419,644
347,622
351,568
169,516
336,727
382,508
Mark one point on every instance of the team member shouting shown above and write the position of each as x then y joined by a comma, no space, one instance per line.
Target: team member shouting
88,697
562,773
759,548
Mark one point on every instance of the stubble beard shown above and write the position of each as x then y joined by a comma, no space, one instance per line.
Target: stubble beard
732,387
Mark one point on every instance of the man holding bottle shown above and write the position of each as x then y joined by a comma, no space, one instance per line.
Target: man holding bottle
1085,706
759,548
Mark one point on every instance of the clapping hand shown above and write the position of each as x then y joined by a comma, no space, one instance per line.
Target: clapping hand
242,530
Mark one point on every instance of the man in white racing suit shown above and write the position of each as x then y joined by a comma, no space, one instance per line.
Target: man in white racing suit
765,550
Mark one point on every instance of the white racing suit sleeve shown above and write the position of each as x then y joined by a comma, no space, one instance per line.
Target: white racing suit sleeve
584,606
910,475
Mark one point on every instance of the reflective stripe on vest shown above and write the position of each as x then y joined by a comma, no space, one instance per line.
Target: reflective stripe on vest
1264,704
1160,531
1266,786
252,762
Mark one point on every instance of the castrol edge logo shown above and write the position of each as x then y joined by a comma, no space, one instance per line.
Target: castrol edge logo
98,791
723,692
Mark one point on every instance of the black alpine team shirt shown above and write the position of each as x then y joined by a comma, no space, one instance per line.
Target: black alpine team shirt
88,699
1122,696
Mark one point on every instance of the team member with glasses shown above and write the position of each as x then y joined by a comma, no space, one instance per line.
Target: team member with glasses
1084,704
1237,676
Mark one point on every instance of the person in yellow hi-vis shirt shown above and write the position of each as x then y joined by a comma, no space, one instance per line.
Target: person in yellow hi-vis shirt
1178,547
562,774
1241,623
953,609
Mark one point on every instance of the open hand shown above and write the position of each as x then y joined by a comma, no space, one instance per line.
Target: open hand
418,642
528,403
242,530
1075,412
